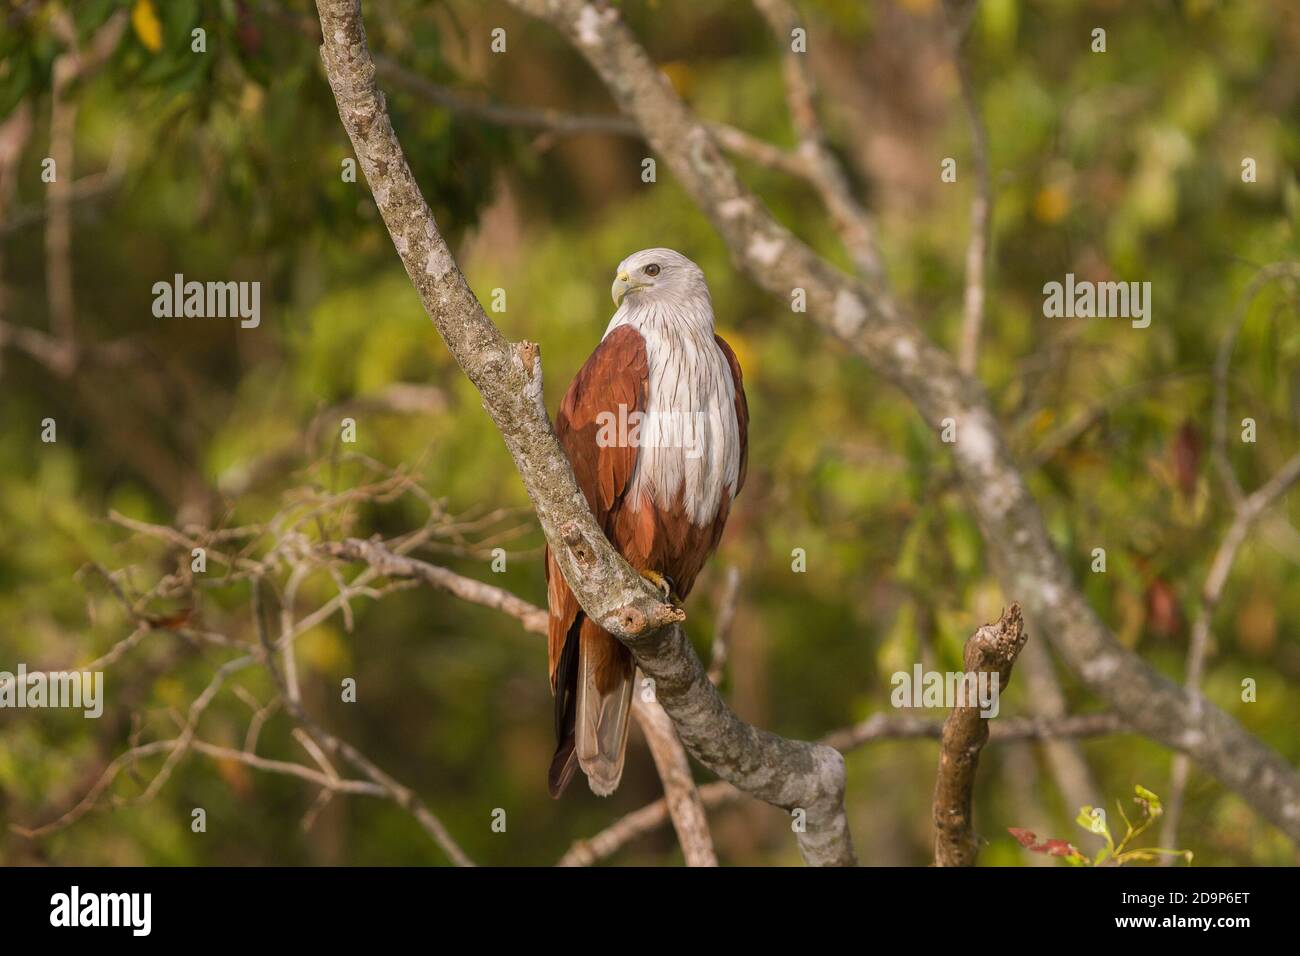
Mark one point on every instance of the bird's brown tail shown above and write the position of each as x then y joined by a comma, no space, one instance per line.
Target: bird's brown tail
565,761
606,680
593,703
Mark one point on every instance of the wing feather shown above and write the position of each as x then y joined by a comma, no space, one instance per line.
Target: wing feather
614,381
742,408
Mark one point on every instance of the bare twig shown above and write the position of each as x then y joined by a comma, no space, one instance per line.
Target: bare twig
822,168
384,562
981,206
1223,368
399,793
684,805
1247,511
84,189
69,68
991,650
722,625
665,747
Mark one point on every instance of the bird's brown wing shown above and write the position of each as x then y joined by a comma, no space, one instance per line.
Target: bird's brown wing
591,672
742,408
742,429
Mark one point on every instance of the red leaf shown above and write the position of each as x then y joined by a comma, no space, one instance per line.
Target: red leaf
1025,838
1164,616
1187,458
1029,840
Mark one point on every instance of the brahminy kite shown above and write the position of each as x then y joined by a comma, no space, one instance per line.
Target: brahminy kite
655,425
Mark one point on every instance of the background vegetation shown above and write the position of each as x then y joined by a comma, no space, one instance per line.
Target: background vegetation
227,166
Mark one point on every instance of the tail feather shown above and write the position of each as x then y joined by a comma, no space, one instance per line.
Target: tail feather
606,680
565,761
563,766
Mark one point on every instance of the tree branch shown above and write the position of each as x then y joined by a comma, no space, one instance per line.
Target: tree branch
399,793
685,808
823,170
992,650
880,726
683,802
69,67
981,206
1246,513
734,140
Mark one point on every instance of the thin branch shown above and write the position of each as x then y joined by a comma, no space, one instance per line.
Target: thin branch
991,650
651,817
70,67
684,805
722,625
1248,510
822,168
399,793
1223,368
85,189
386,563
215,751
981,206
732,139
885,726
197,707
665,747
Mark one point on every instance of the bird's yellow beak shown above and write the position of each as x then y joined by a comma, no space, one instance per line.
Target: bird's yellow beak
623,284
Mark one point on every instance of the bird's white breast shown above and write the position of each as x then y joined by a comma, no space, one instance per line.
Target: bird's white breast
690,437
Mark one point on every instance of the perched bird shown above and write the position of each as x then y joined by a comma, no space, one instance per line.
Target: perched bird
655,426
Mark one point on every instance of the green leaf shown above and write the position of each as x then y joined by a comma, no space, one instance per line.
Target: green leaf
1148,800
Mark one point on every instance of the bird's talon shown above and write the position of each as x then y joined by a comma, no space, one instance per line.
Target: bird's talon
663,584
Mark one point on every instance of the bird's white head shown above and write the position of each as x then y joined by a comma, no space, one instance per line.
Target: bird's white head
659,277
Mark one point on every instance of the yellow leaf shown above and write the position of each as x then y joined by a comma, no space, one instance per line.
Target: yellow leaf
147,26
322,649
681,76
745,355
1051,204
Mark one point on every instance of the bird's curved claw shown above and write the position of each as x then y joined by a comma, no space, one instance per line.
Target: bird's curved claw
663,584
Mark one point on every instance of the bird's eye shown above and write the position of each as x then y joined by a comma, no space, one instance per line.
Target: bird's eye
652,269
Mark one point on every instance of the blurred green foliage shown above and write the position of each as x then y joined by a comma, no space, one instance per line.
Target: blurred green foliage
1124,165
